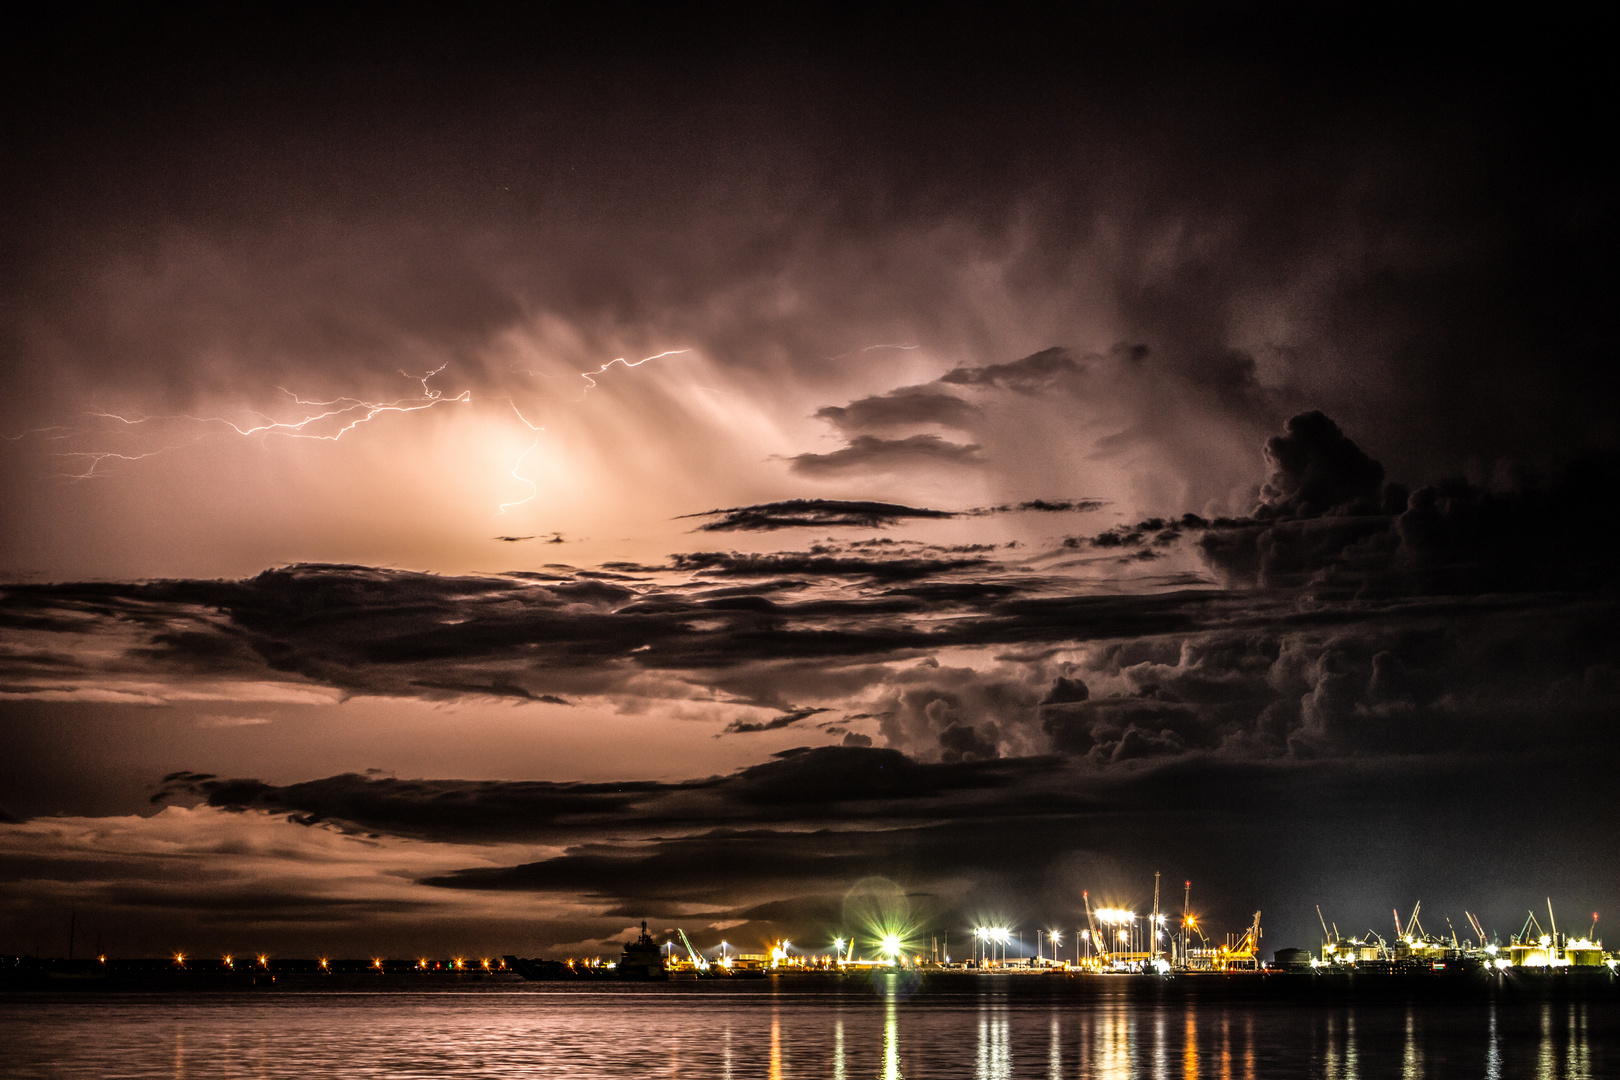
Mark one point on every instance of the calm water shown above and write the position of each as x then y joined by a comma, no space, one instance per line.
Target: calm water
987,1028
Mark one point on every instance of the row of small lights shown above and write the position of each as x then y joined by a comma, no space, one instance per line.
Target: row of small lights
458,963
889,944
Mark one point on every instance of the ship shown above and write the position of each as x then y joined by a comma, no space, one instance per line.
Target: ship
642,959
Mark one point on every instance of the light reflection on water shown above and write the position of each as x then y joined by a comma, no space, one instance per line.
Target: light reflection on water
995,1050
987,1029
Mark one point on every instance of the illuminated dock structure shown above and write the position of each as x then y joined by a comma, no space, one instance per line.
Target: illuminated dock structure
1113,940
1415,949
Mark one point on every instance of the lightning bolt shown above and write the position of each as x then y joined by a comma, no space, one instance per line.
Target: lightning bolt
534,491
336,407
98,456
591,382
348,412
323,420
869,348
42,432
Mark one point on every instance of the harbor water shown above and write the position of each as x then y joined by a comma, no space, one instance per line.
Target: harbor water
880,1027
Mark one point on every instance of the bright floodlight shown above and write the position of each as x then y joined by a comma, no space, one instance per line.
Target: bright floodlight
838,943
891,945
1055,936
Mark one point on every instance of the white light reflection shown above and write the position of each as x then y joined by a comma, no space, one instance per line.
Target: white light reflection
1546,1066
1054,1052
1116,1044
838,1049
891,1039
995,1049
1412,1059
1493,1051
1577,1062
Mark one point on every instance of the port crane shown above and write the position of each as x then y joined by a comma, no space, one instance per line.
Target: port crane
1098,941
1155,918
1405,934
698,961
1245,954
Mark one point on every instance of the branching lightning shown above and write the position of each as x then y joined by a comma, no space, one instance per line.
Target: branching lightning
348,412
96,457
342,406
591,382
324,420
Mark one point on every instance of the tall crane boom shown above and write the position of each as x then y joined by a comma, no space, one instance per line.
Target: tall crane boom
1153,926
697,957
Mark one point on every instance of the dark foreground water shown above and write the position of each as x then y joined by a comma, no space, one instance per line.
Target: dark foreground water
981,1028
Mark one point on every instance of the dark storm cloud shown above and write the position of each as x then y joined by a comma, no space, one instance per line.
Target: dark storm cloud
1274,836
1061,506
1019,837
825,563
870,453
905,407
1326,519
787,719
813,513
1316,470
840,513
1034,373
1356,627
829,785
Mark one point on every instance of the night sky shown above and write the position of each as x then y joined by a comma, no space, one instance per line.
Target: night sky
471,483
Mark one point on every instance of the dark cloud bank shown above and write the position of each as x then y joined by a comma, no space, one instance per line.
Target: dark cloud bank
1407,693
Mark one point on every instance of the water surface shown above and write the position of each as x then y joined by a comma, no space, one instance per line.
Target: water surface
987,1029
